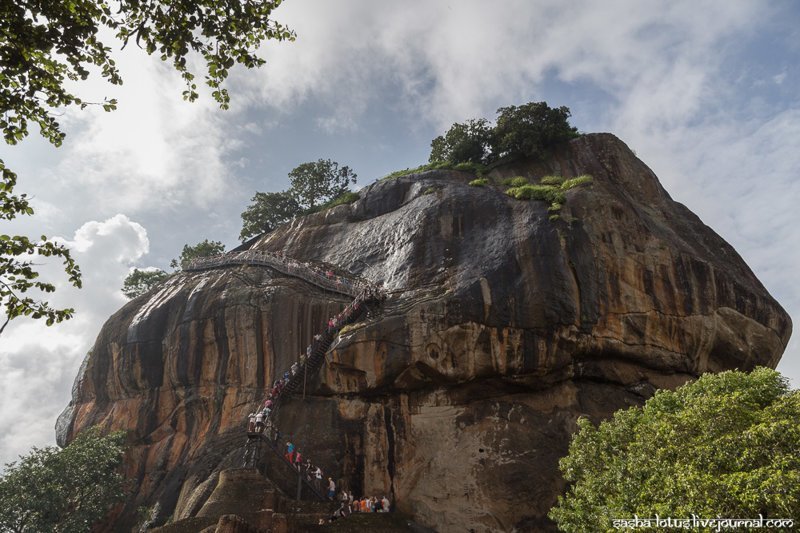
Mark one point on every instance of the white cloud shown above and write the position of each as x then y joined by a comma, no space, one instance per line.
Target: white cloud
37,363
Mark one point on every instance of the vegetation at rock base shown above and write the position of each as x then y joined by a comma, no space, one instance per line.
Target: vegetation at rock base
528,130
63,490
202,249
315,186
480,182
47,46
139,281
725,445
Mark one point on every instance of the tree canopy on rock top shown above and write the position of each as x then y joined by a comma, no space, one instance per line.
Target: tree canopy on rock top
528,130
139,281
725,445
201,249
315,185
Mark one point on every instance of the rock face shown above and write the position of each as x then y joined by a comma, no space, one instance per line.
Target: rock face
458,397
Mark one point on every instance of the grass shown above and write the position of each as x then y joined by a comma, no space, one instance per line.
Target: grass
475,168
551,180
517,181
345,198
480,182
550,189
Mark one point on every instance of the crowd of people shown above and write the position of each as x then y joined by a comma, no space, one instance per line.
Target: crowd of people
348,505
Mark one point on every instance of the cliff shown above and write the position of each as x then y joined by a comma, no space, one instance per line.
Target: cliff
458,395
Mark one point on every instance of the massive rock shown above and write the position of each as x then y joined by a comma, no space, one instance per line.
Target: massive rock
459,395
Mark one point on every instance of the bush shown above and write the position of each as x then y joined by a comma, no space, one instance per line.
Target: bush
480,182
551,180
725,445
517,181
546,193
575,182
347,197
422,168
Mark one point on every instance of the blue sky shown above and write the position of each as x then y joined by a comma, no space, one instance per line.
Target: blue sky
704,92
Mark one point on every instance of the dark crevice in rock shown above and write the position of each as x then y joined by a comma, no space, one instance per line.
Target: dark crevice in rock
390,436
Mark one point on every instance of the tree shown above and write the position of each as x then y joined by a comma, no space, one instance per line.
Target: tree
67,490
528,130
467,142
316,182
202,249
139,282
725,445
17,269
45,45
268,210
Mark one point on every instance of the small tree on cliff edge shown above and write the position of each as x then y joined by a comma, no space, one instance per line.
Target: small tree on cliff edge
268,211
201,249
726,445
319,181
67,490
139,281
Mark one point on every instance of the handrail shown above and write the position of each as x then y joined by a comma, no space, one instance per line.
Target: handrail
363,291
294,469
286,265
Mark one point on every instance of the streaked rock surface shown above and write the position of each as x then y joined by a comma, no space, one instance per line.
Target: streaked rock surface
457,398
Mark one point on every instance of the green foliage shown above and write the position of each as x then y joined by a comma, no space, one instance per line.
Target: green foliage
575,182
467,142
438,165
66,490
430,190
551,180
268,211
315,186
139,282
347,197
45,44
517,181
45,47
546,193
320,181
726,445
466,166
480,182
550,189
528,130
18,275
202,249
